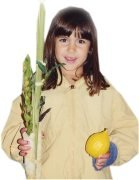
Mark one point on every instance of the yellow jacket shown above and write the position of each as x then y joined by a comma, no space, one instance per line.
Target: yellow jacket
74,116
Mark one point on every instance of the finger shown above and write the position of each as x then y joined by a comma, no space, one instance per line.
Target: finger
23,153
99,167
99,161
22,141
22,130
104,156
24,148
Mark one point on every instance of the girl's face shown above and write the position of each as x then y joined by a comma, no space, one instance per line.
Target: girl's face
72,51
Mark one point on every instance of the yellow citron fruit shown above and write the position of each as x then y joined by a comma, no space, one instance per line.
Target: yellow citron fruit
98,144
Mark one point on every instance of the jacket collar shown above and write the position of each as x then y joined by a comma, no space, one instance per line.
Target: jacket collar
66,84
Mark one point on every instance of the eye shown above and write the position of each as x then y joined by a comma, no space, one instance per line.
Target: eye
81,41
63,39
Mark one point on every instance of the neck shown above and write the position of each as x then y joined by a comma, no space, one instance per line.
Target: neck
72,76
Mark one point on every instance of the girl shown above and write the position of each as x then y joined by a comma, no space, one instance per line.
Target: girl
82,102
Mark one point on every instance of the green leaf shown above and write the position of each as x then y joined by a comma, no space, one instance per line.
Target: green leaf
58,65
27,117
52,69
42,67
43,114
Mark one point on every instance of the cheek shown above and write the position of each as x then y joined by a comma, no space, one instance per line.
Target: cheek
84,53
58,48
57,51
58,54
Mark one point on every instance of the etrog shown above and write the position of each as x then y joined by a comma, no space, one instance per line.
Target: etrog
98,144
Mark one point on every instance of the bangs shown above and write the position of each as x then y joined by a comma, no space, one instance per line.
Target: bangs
66,30
73,19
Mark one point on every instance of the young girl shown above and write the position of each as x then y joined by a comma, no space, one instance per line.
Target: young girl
82,102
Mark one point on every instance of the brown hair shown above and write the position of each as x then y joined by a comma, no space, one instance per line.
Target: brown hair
64,23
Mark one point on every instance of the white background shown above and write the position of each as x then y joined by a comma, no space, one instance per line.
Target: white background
118,40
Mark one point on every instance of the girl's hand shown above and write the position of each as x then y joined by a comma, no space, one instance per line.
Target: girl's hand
23,144
101,161
106,159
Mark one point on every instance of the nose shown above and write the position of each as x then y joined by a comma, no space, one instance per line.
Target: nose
72,46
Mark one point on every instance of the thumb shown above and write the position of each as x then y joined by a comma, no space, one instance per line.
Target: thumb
22,130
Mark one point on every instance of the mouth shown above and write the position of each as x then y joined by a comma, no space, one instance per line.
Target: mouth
70,60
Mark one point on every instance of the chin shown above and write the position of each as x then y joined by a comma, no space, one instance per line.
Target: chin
67,68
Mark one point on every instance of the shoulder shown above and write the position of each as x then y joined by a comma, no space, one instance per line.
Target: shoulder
118,102
112,95
111,91
17,101
16,105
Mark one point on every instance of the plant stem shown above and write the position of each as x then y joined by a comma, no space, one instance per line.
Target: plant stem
38,76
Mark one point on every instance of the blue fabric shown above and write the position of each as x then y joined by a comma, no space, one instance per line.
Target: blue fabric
112,158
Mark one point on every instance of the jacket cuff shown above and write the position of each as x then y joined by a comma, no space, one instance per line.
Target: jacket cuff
113,154
112,158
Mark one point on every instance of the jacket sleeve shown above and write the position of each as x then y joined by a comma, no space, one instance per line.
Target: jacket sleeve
124,130
11,131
